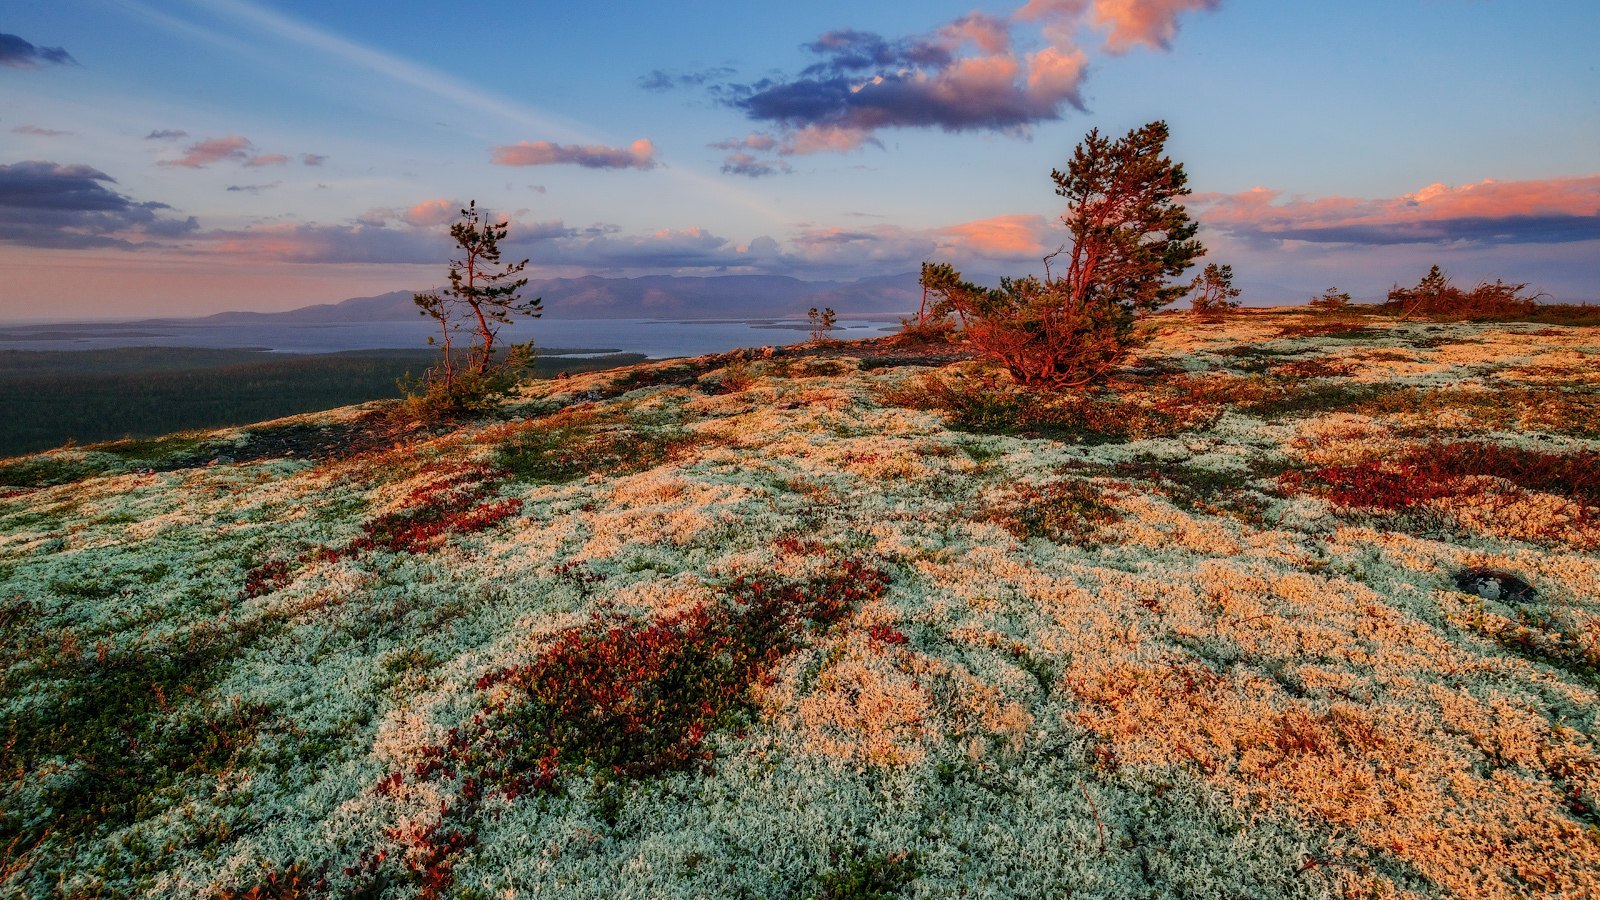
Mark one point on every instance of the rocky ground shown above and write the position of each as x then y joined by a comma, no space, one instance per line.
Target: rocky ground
1293,606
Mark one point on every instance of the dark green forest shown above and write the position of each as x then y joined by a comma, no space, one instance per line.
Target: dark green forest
48,398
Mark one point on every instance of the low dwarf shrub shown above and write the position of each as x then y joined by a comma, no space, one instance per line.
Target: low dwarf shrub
615,698
1439,470
1065,511
987,403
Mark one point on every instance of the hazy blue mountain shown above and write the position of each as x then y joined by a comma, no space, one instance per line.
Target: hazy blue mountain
648,296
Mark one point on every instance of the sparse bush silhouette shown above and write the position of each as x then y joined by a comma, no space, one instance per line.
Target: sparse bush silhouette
822,322
1332,300
1129,237
1213,291
482,297
1436,297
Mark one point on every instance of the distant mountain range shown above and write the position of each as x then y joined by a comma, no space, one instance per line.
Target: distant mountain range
645,297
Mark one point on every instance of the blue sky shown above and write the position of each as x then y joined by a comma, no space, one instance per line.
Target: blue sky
187,156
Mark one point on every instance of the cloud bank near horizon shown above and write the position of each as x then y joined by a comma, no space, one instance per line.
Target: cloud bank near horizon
1489,212
51,206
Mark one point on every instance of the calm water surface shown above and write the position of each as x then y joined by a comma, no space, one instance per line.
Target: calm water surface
652,337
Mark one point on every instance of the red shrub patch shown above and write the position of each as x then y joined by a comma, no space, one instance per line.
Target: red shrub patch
886,634
1575,476
456,503
1435,471
1371,485
617,698
267,577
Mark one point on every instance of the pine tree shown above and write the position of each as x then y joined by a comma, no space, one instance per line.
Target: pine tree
1129,238
483,296
1214,291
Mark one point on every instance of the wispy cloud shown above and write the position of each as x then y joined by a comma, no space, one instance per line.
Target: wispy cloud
662,80
260,21
312,159
252,188
18,53
752,166
36,131
639,155
233,148
1546,211
213,150
166,134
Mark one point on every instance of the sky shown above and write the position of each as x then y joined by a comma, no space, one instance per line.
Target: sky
176,157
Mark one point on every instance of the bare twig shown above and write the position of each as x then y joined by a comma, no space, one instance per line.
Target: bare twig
1095,810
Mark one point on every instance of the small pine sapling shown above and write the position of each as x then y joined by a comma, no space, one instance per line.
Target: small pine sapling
1213,290
1332,300
483,296
822,322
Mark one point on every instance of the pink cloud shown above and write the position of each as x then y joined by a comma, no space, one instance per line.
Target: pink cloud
1014,237
1153,23
266,159
825,139
1556,210
213,150
989,34
432,213
639,155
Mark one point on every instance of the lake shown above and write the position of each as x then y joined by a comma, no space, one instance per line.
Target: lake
655,338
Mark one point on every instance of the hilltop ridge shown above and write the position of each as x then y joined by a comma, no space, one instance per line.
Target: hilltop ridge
1293,606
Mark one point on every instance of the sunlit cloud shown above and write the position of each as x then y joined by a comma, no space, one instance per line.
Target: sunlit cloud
639,155
213,150
432,212
1015,237
17,53
980,72
233,148
1559,210
1152,23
